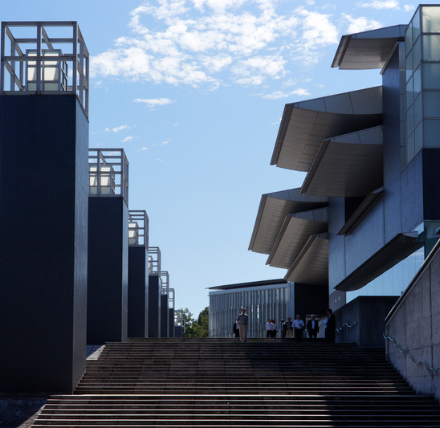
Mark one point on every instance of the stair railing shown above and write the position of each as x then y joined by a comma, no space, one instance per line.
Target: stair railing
405,351
339,330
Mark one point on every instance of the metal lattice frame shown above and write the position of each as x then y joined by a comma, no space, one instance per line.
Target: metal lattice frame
165,276
108,169
138,228
154,261
171,298
38,46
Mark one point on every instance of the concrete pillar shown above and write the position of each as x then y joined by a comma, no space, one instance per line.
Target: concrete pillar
137,291
43,222
154,306
107,270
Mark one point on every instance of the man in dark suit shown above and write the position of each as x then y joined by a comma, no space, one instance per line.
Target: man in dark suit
313,328
330,329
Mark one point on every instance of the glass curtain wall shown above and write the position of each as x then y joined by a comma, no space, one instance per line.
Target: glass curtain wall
261,304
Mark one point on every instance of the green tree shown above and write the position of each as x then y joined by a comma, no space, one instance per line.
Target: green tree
196,328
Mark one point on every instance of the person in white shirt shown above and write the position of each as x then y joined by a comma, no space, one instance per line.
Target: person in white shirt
269,328
298,327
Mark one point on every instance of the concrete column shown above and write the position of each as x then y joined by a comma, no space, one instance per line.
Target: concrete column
43,223
154,308
107,270
137,291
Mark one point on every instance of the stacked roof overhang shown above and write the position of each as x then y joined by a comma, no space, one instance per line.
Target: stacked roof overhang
338,141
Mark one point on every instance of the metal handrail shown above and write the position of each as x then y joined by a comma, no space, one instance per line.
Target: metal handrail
338,330
431,370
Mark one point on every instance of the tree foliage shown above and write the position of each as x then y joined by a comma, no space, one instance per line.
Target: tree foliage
199,327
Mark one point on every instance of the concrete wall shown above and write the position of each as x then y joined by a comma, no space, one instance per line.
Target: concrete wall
43,263
154,313
415,325
137,291
107,292
368,312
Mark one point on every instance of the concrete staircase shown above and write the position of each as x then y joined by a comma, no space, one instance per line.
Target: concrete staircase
223,383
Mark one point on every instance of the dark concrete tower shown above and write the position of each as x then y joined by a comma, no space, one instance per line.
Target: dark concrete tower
171,316
154,292
43,206
164,304
108,247
138,274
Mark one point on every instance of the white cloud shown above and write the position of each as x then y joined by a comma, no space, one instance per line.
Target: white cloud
154,102
378,4
127,139
144,149
208,42
116,129
409,8
165,143
280,94
357,25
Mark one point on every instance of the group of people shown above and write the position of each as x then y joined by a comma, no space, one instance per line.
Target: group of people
289,328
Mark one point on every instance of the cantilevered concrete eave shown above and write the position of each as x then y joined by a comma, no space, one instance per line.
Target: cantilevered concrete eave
350,165
273,209
311,265
305,124
403,245
369,49
296,230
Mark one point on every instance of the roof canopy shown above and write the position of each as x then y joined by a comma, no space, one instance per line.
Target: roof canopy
369,49
273,209
294,233
311,265
347,166
305,124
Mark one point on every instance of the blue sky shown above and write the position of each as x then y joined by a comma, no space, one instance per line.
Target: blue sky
194,92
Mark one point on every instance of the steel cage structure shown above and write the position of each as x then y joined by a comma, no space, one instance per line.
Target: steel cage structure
138,228
108,169
44,58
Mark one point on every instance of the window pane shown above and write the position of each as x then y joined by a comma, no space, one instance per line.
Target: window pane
410,147
431,47
431,133
417,82
408,38
409,66
431,104
418,138
409,93
410,121
430,19
417,110
416,26
416,54
431,73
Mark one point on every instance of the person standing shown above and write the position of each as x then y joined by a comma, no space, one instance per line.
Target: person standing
313,328
274,328
282,329
269,326
298,326
235,329
330,327
289,328
243,321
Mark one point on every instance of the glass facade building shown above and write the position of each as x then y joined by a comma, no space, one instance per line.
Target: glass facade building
368,212
263,300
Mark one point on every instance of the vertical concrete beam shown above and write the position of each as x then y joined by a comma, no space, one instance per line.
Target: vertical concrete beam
107,270
43,226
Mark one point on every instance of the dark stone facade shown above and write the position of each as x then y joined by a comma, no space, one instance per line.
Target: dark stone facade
44,190
107,270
